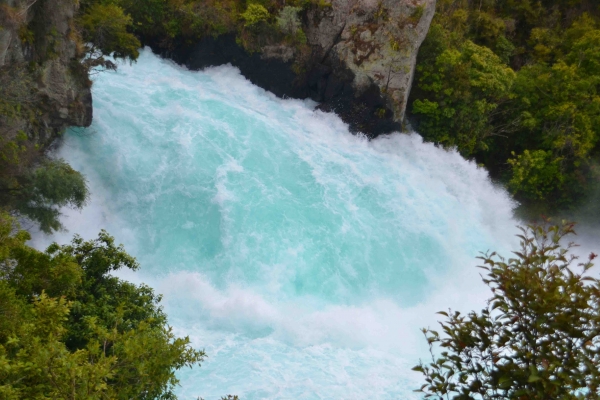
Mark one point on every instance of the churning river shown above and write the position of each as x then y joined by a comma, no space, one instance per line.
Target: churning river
302,258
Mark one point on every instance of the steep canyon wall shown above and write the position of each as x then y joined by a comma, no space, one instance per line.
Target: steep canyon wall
43,86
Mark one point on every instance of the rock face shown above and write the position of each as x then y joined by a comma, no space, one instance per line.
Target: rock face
39,69
361,62
377,40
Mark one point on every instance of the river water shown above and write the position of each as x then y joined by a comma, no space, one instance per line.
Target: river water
302,258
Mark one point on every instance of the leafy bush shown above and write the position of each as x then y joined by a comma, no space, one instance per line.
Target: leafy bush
148,16
44,190
72,330
105,27
255,14
288,20
535,174
539,336
465,86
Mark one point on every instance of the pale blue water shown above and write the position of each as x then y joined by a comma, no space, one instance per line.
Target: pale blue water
302,258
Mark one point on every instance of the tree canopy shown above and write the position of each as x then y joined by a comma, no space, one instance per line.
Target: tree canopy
106,28
514,85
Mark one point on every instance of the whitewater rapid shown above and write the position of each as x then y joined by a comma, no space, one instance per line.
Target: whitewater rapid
302,258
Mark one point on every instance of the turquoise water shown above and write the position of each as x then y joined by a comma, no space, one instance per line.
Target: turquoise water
302,258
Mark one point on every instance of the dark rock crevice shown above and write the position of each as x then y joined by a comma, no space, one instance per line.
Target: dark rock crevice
47,71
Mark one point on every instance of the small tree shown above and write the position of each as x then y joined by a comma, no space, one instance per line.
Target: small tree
539,336
255,14
105,29
44,190
288,20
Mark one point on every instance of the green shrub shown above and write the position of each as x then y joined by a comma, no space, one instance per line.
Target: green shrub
538,337
106,28
288,20
254,15
44,190
464,87
70,329
501,77
535,175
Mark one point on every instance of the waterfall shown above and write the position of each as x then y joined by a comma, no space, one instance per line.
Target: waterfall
302,258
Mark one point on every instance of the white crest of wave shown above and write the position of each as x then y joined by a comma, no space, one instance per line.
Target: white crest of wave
379,323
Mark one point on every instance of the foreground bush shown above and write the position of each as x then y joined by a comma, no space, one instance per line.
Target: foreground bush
70,330
539,336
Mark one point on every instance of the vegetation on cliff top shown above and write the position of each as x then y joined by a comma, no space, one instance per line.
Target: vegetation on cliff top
171,23
515,85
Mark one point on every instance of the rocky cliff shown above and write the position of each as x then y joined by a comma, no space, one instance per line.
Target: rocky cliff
361,61
377,41
43,86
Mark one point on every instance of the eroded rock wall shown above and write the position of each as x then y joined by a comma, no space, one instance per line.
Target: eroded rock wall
40,72
377,40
